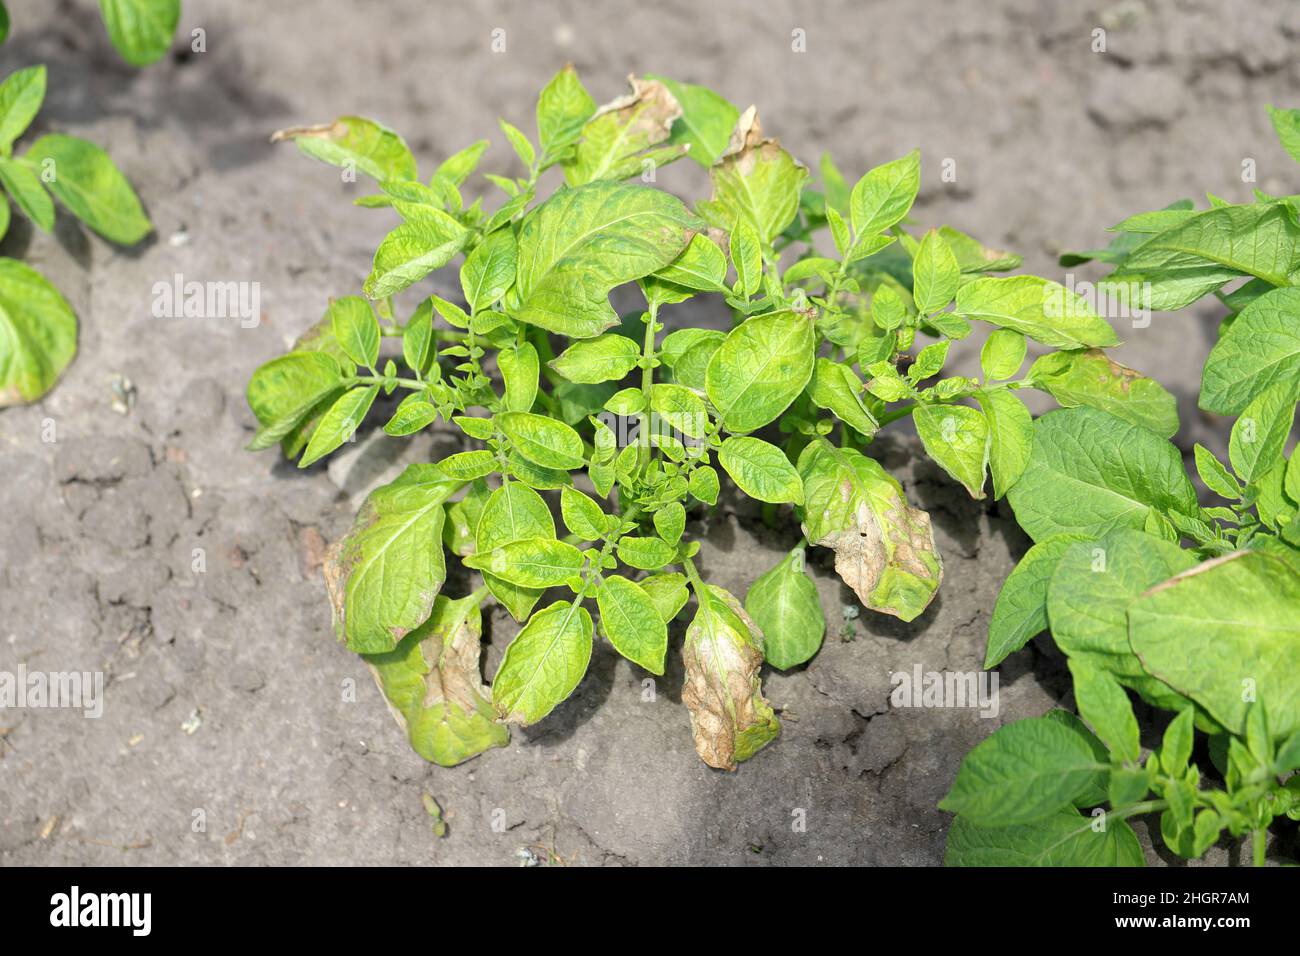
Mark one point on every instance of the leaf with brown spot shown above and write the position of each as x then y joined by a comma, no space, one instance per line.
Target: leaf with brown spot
1090,377
354,142
434,690
619,139
884,548
384,575
755,181
730,717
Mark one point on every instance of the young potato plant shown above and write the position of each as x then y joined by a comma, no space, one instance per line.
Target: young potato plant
831,339
1194,608
38,329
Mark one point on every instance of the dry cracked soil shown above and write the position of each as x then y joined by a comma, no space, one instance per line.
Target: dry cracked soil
149,546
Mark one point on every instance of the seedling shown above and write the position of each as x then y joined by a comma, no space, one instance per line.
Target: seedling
1195,609
38,329
631,424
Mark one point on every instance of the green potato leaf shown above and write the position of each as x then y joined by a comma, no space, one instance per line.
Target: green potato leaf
339,423
21,96
582,516
882,197
647,554
1104,705
1011,436
1045,311
519,370
1091,472
935,274
356,329
530,562
784,604
28,194
141,30
91,187
1203,251
563,108
668,591
38,333
1259,435
544,663
837,388
1065,838
426,241
761,368
701,266
577,246
1287,125
761,470
1090,589
489,271
543,441
1259,349
606,358
512,513
1020,613
630,618
1025,772
957,438
1226,626
1003,354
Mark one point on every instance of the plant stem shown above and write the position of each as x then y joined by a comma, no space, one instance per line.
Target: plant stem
1260,840
380,380
896,414
647,379
693,575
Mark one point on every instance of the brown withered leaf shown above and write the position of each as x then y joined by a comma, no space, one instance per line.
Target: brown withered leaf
730,717
755,180
884,548
623,137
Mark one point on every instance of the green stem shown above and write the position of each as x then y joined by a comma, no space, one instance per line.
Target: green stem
1260,840
380,380
693,575
647,379
896,414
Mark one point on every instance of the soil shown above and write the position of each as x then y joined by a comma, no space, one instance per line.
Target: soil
149,546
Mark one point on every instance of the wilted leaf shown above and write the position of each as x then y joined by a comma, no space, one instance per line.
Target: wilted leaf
617,141
755,180
384,575
355,142
432,683
884,549
723,652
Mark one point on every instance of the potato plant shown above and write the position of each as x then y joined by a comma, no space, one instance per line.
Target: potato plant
1193,608
841,323
38,329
